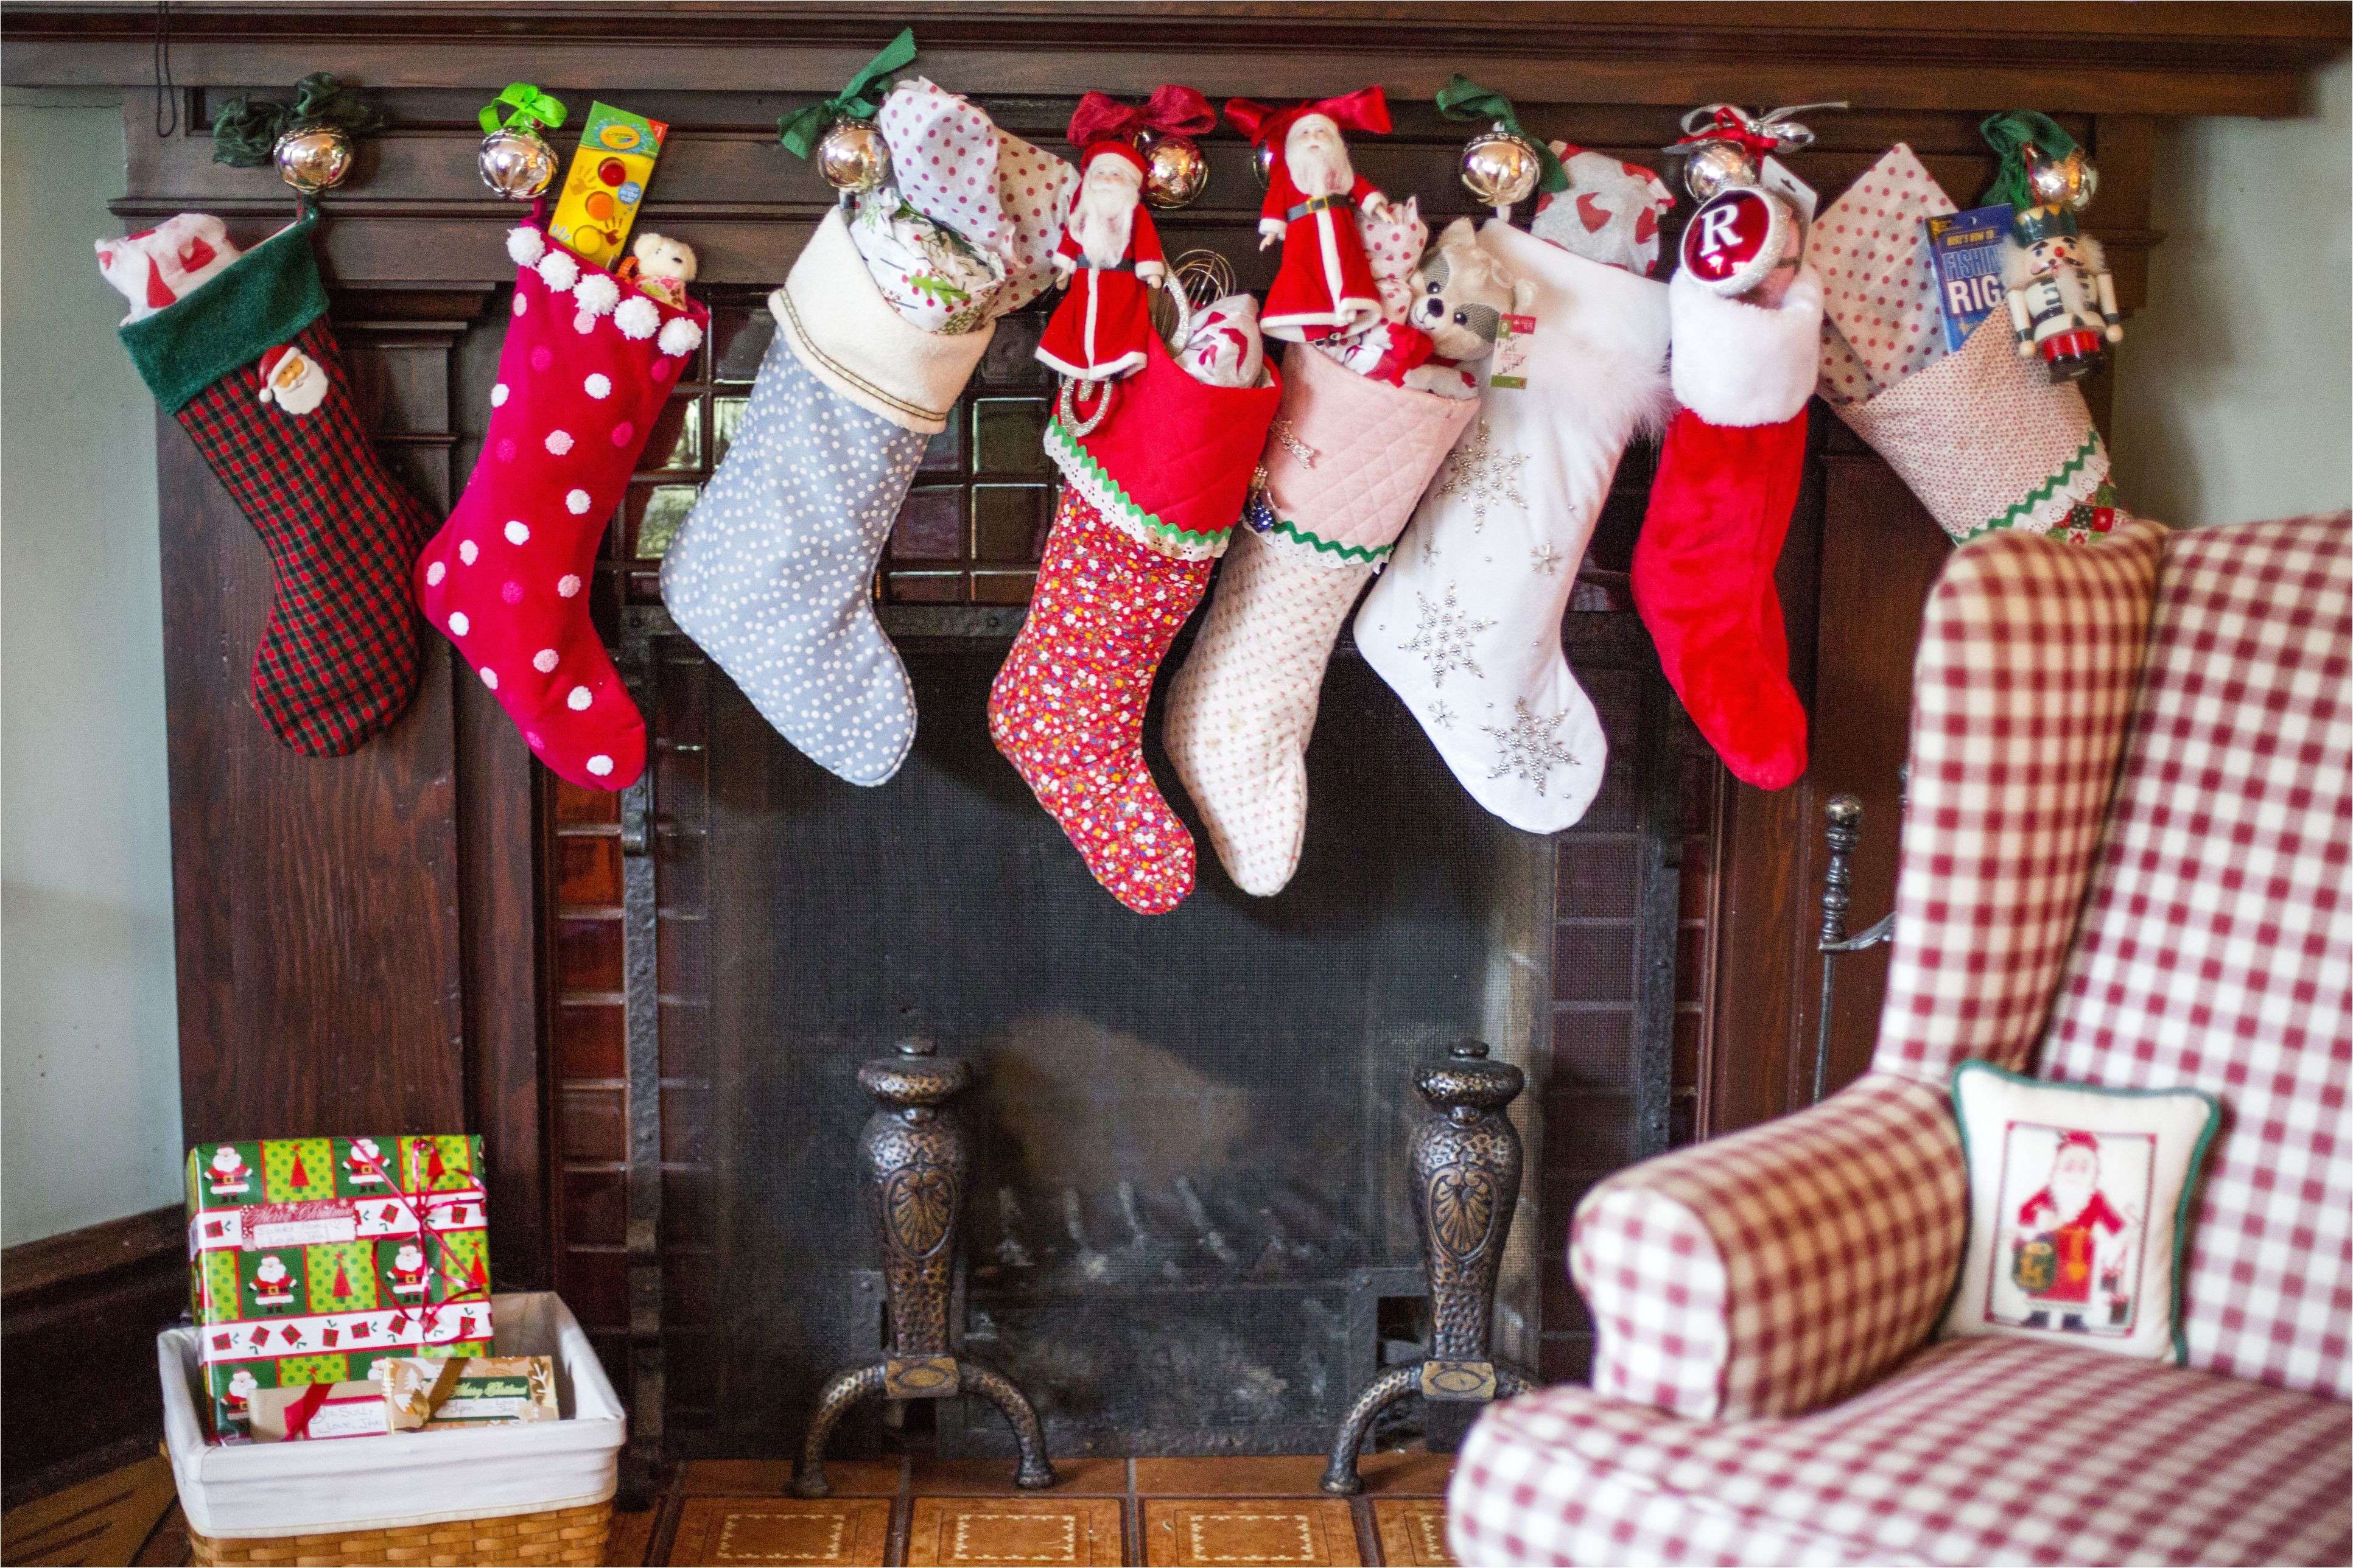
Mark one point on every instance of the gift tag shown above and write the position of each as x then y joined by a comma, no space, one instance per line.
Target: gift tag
1777,178
1515,340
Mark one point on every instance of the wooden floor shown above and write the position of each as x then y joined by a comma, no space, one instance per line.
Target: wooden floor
925,1513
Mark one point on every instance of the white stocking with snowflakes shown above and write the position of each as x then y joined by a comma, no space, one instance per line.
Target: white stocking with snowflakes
1465,623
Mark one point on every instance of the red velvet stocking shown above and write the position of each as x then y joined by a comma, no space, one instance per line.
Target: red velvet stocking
1720,508
1703,584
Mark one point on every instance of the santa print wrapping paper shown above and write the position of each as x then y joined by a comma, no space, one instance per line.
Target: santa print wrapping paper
310,1258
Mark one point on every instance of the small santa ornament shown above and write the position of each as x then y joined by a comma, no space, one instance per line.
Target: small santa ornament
1109,257
229,1174
292,380
272,1285
1313,198
408,1271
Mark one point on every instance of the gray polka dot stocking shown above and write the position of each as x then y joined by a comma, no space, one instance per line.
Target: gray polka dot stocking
771,573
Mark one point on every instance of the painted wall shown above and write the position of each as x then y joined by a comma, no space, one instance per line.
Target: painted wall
2234,392
89,1079
2235,402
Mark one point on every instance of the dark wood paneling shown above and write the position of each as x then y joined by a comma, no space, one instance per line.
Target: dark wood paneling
79,1314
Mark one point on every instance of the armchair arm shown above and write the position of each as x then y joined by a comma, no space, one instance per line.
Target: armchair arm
1775,1270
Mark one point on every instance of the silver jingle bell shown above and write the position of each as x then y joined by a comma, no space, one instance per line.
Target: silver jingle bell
312,158
1713,165
2068,181
1175,172
853,157
1500,168
517,163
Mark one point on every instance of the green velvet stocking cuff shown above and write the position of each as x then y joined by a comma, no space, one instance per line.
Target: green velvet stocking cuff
262,299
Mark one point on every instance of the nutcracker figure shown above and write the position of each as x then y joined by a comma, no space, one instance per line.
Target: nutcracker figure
2062,300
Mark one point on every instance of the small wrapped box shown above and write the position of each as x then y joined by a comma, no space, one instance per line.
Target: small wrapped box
312,1259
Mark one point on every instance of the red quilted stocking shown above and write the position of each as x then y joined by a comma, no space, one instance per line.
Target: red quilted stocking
1068,708
1719,511
588,366
245,359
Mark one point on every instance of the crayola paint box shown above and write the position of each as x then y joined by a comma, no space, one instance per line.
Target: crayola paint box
609,171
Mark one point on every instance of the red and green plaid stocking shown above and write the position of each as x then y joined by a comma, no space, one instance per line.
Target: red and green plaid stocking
246,363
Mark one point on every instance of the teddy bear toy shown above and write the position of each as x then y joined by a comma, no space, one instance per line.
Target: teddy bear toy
660,266
1463,294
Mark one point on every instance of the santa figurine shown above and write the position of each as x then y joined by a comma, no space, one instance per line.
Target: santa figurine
229,1173
1109,257
1315,197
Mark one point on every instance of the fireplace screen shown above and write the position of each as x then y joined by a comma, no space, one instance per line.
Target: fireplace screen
1189,1229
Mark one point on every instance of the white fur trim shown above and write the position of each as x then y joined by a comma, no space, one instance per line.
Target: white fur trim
1741,365
558,270
855,340
596,295
525,245
679,336
638,319
1617,321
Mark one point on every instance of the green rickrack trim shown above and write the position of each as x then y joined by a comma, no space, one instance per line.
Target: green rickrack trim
1079,466
2047,488
1342,554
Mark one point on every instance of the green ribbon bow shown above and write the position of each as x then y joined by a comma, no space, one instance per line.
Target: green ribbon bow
799,132
532,108
2008,134
1462,99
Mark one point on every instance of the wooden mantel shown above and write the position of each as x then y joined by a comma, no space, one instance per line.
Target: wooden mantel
2085,56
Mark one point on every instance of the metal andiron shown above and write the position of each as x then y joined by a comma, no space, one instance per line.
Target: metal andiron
1465,1164
917,1164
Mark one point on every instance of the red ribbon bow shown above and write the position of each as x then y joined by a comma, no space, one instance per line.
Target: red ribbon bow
1728,125
1364,109
1172,110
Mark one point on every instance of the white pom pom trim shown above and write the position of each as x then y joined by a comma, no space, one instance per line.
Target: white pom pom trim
596,295
558,270
638,319
525,245
680,336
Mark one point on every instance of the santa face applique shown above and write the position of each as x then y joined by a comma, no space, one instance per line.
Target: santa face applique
274,1286
291,381
229,1174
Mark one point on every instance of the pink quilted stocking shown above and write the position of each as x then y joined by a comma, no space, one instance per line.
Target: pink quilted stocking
588,366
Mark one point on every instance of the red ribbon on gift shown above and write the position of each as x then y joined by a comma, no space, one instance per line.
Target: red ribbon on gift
1728,125
299,1413
1366,109
1172,110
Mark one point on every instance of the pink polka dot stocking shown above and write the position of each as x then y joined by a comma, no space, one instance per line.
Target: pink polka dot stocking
588,366
1068,708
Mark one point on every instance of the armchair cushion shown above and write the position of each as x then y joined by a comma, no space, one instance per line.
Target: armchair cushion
2029,664
1770,1271
1980,1450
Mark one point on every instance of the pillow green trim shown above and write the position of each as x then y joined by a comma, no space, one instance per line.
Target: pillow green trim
266,297
2193,1181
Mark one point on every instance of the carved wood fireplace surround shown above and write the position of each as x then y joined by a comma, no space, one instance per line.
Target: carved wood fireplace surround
651,1005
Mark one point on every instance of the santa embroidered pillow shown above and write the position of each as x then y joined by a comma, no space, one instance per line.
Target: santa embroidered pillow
2080,1199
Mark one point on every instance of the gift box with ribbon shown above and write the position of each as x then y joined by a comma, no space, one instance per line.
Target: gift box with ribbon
310,1258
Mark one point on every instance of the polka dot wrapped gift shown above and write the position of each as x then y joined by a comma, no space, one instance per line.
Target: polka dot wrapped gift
588,366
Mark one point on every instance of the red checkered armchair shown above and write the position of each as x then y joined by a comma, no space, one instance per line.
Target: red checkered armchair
2125,862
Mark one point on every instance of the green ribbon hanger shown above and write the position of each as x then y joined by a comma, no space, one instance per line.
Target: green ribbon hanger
532,109
1462,99
799,133
247,128
2009,133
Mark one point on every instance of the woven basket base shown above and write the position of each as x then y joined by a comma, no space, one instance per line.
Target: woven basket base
565,1536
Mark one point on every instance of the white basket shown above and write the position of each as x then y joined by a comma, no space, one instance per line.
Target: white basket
252,1491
